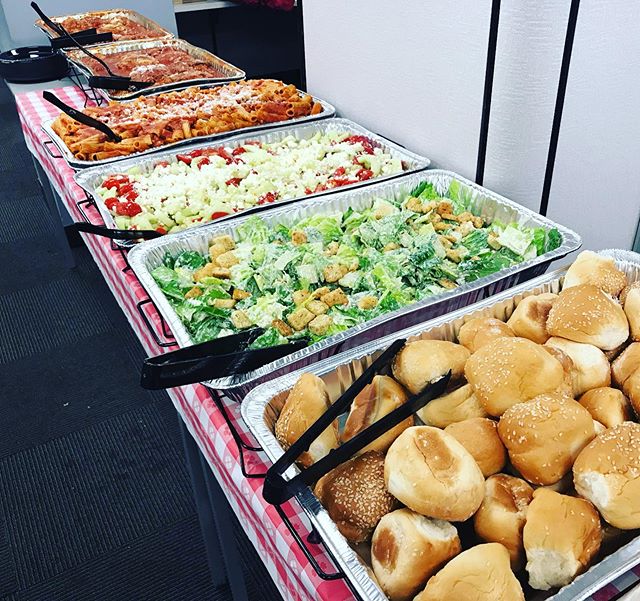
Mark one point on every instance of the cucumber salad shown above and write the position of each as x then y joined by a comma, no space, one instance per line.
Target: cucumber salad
329,272
205,184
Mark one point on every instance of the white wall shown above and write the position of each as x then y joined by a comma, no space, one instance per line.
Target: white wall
414,71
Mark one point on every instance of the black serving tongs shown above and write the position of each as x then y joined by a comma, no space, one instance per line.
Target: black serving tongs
115,234
64,39
277,490
226,356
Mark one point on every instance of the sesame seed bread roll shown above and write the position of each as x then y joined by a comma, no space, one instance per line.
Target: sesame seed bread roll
567,367
626,364
423,361
632,311
543,436
475,333
502,515
407,549
479,436
453,407
512,370
632,389
607,472
374,401
591,268
481,573
586,314
561,536
306,402
609,406
355,496
432,473
590,366
529,319
627,289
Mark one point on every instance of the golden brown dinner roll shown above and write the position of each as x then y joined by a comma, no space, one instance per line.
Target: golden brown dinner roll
479,436
609,406
632,311
355,495
432,473
512,370
529,319
567,367
453,407
373,402
626,364
502,514
607,472
544,435
585,313
306,402
627,289
481,573
561,536
407,549
590,367
591,268
632,389
423,361
479,331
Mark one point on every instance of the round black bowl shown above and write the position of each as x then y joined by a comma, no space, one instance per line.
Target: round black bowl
32,64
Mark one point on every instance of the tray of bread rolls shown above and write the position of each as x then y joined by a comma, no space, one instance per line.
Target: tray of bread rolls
521,482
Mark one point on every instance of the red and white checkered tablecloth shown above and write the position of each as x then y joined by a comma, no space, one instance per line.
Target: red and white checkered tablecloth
289,568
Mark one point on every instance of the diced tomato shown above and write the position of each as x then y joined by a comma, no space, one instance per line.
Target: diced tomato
161,230
110,203
184,158
130,209
340,171
221,152
131,195
124,188
203,161
308,191
364,174
114,181
252,143
234,181
356,161
367,144
237,151
268,197
320,188
218,214
162,164
197,153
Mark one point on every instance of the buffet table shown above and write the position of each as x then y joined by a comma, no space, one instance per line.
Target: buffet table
289,567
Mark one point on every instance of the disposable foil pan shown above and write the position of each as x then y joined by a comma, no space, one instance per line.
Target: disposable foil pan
131,14
327,111
91,179
263,404
145,257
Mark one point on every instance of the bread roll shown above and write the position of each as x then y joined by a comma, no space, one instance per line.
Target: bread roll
306,402
502,514
481,573
632,389
479,436
626,364
529,319
477,332
587,314
561,536
450,408
373,402
407,549
591,268
544,435
632,311
423,361
590,367
355,496
432,473
626,290
512,370
607,405
598,427
607,472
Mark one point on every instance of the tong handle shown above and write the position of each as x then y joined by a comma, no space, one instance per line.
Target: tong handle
116,82
277,490
81,117
50,22
87,36
115,234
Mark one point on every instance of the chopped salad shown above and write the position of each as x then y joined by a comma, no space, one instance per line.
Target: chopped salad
329,272
205,184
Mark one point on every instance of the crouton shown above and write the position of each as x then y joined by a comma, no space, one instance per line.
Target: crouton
390,246
240,320
414,204
299,296
226,241
368,302
354,264
448,284
320,325
195,292
227,259
440,226
298,237
216,250
224,273
240,294
332,248
320,292
492,241
444,207
317,307
478,222
282,327
333,273
435,218
465,216
300,318
466,228
335,297
204,272
449,216
223,303
456,254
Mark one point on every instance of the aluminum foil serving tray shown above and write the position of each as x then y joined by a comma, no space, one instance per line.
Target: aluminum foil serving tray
131,14
327,111
90,179
145,257
228,71
263,404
